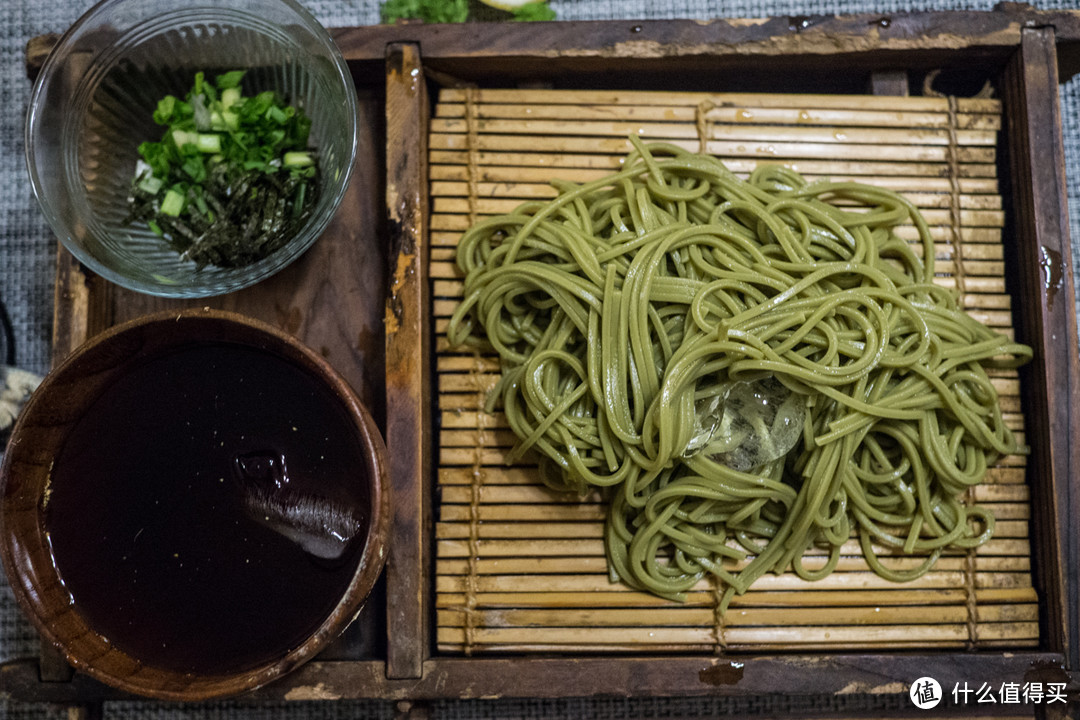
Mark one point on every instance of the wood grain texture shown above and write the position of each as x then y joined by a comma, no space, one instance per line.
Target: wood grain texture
883,42
71,305
407,373
810,674
778,36
1044,280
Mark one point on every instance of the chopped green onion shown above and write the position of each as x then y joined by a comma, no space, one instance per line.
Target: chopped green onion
208,143
165,108
229,80
200,205
194,168
150,184
229,97
231,175
276,114
183,137
173,203
297,159
298,201
201,113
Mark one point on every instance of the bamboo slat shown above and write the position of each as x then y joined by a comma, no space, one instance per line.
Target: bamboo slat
905,182
835,636
749,617
730,114
1000,484
804,102
919,597
498,518
802,133
587,565
574,547
520,567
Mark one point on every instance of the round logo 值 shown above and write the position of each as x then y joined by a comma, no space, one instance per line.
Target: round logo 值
925,693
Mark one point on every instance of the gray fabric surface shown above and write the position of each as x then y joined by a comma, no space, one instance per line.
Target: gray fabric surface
27,253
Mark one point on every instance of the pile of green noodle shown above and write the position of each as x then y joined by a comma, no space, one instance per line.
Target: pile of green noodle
627,310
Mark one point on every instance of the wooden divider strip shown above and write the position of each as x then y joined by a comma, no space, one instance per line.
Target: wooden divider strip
407,375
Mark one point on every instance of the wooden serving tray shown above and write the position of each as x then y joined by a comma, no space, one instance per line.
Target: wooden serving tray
364,296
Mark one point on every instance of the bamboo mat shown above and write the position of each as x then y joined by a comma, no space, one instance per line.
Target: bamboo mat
520,568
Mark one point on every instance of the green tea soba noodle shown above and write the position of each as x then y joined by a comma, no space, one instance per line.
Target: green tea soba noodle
751,369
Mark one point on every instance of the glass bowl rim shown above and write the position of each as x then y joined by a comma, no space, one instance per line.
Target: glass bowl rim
233,279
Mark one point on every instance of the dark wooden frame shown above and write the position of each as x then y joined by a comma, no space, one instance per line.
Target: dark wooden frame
1026,52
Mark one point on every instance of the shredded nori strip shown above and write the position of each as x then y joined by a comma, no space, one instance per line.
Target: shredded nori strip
258,217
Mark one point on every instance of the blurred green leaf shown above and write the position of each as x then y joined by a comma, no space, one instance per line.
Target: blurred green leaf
535,11
432,11
455,11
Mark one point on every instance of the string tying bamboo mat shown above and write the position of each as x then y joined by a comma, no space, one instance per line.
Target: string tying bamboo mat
520,568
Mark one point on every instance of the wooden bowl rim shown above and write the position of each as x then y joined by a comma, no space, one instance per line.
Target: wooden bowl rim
185,686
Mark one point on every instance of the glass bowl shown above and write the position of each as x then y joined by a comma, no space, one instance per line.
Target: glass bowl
93,103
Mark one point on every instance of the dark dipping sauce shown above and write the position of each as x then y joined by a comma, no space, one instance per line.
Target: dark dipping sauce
195,512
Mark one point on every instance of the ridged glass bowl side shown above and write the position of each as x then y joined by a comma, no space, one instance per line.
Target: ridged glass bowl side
94,104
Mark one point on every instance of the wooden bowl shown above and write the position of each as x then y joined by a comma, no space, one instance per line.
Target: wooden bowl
96,450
